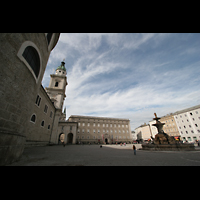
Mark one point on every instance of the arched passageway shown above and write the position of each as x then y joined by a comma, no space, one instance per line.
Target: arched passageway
61,138
69,138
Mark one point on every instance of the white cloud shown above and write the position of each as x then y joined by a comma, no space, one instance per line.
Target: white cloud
132,77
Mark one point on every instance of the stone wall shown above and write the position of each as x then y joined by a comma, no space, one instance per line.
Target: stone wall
18,89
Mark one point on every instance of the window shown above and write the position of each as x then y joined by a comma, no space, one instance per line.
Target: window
192,131
70,128
56,84
88,124
83,124
48,126
33,118
30,54
186,132
42,124
38,99
196,112
83,130
93,130
196,125
93,124
49,36
88,130
51,114
45,108
190,113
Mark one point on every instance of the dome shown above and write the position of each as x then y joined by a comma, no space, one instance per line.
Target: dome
62,66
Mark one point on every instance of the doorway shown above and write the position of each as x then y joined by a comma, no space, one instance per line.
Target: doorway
106,141
69,138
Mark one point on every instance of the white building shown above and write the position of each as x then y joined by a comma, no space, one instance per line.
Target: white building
143,132
188,123
153,129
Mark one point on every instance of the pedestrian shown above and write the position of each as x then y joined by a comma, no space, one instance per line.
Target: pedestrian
134,149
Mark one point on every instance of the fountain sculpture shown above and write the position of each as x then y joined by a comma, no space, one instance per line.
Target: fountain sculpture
164,142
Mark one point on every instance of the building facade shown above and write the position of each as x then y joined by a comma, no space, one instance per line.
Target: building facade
24,57
188,123
170,126
101,129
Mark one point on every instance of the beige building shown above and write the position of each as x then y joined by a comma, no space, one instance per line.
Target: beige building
170,126
102,129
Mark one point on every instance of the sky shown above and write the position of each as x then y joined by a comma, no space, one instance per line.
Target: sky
128,75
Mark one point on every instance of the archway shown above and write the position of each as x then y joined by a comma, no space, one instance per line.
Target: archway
61,138
69,138
106,141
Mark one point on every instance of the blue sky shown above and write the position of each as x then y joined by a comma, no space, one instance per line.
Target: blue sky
128,75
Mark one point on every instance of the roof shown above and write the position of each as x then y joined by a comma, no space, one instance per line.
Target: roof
62,66
92,117
186,110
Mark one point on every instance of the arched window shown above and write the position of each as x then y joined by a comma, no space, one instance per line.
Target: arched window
31,56
42,124
49,36
33,118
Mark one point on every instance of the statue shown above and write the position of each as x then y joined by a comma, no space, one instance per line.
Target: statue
161,137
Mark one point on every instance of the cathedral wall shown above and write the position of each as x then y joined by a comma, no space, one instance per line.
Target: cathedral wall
40,131
18,89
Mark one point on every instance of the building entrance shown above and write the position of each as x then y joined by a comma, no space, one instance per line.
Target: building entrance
61,138
69,138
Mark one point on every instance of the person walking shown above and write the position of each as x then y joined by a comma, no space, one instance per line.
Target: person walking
134,149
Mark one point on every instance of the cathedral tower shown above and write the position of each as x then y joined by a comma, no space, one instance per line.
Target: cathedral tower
57,86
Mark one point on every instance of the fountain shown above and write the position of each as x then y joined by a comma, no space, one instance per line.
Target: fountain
164,142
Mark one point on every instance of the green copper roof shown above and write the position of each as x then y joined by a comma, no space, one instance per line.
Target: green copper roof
62,66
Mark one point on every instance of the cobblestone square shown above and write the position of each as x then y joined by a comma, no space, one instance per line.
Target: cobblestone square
108,155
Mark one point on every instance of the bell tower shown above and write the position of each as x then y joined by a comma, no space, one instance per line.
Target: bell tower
57,86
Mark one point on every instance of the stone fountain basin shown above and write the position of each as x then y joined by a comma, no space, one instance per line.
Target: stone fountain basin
168,147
